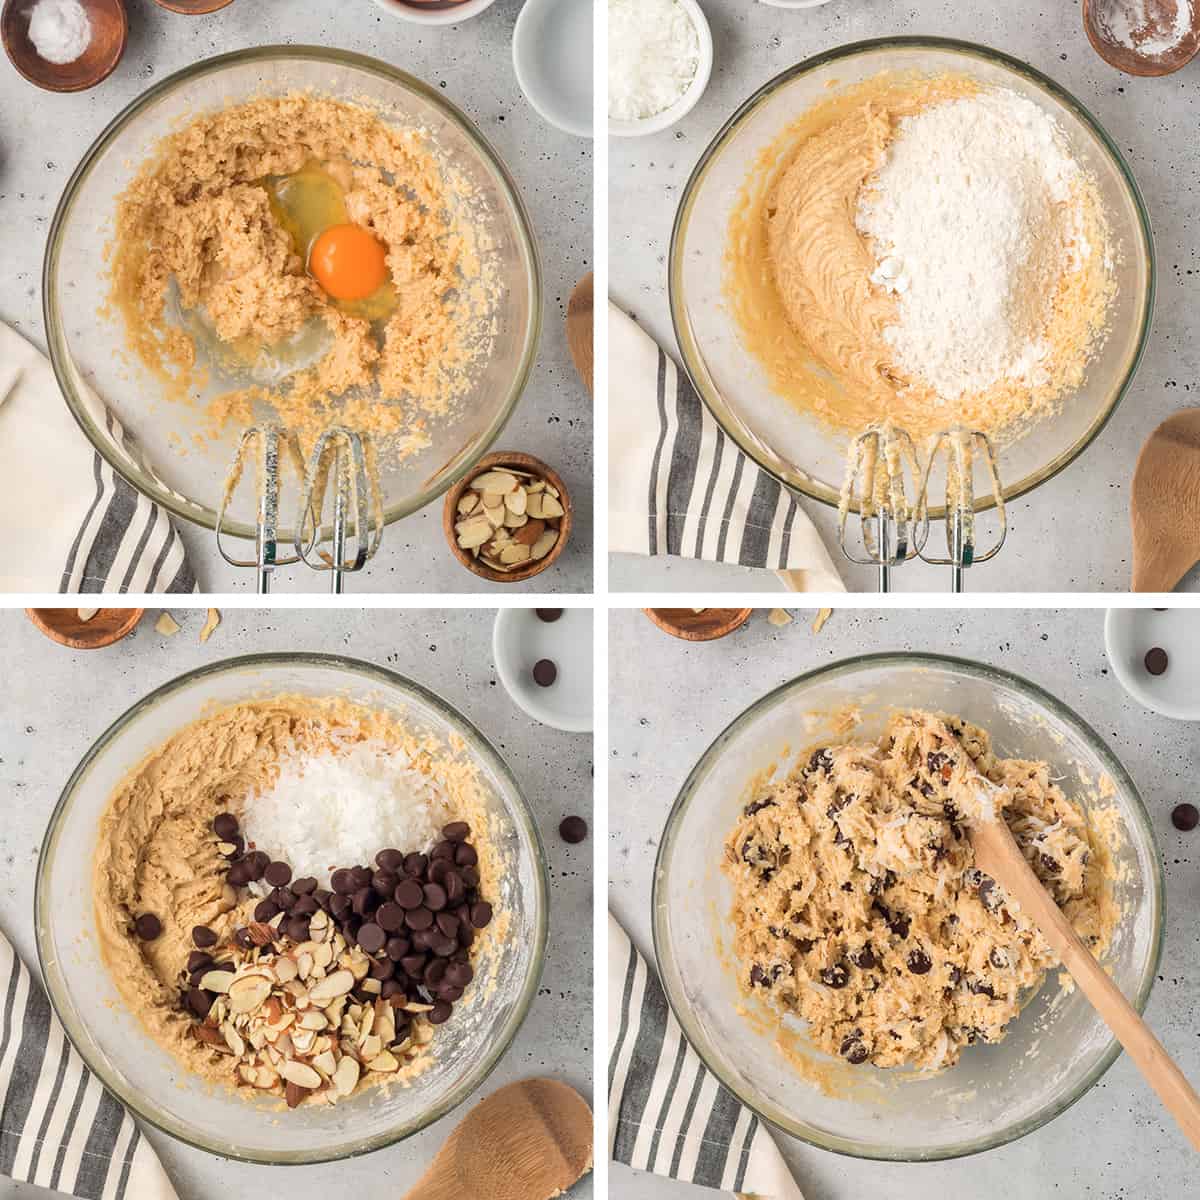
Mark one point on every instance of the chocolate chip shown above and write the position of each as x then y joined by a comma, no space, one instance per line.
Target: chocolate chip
466,855
203,937
919,963
1156,660
572,830
456,831
307,886
243,938
413,965
456,889
836,976
390,860
340,907
239,873
384,882
391,987
409,894
147,927
397,948
549,615
225,826
459,974
258,863
284,897
197,960
821,760
446,850
447,924
297,929
470,877
305,906
864,959
440,1013
362,877
544,672
481,914
199,1001
418,918
364,901
372,938
390,917
442,945
435,897
416,864
342,882
1185,817
854,1050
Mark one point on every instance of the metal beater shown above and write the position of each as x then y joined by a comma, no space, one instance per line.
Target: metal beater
342,464
881,467
961,447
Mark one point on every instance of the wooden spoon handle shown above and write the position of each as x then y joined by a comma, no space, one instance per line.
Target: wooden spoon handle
1006,864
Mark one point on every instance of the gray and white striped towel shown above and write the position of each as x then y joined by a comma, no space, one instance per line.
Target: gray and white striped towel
68,521
678,485
666,1111
58,1127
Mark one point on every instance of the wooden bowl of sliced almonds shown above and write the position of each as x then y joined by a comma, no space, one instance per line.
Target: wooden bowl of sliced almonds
508,520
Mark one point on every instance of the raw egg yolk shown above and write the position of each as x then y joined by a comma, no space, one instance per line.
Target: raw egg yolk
348,262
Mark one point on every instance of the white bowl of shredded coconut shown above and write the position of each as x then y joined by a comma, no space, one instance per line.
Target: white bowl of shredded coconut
660,57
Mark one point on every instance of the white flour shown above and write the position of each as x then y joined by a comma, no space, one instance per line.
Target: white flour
972,222
1151,27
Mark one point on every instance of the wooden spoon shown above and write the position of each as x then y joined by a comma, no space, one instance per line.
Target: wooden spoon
1161,16
580,317
998,855
1165,504
530,1140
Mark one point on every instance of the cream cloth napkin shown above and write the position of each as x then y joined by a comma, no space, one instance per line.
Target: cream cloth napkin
666,1112
678,485
58,1127
68,521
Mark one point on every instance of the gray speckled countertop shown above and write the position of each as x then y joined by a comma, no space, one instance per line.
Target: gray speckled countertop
58,703
668,700
1072,534
43,136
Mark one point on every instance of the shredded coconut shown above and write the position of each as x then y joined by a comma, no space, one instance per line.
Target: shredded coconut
340,809
653,56
973,219
59,30
1145,26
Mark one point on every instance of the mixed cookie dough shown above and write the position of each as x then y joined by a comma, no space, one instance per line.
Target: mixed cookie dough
921,251
858,908
306,987
211,264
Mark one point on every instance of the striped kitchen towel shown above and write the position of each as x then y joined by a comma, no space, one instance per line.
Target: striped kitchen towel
58,1127
678,485
68,521
666,1111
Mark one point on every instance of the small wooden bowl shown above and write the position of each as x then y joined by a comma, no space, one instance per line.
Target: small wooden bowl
522,462
64,626
110,29
192,8
1132,61
704,626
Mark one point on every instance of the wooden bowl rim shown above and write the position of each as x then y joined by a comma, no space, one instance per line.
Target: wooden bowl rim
735,622
186,10
1133,63
7,13
528,462
109,638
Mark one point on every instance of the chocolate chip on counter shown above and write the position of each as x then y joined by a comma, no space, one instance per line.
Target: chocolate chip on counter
1156,660
372,938
1185,817
457,831
836,976
440,1013
342,882
544,672
919,963
549,615
225,826
147,927
203,937
197,960
305,887
409,894
199,1001
572,830
481,914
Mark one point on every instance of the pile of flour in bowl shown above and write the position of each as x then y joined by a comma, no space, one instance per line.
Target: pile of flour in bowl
973,218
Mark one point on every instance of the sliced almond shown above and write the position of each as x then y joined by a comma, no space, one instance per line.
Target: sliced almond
415,1006
210,1035
544,544
303,1040
266,1077
233,1040
494,481
313,1019
467,503
285,969
779,617
385,1061
534,502
332,986
370,1047
300,1074
529,533
325,1062
494,514
516,553
551,507
516,501
246,1073
294,1093
514,520
167,625
86,614
210,624
345,1078
319,926
473,533
401,1047
217,981
248,992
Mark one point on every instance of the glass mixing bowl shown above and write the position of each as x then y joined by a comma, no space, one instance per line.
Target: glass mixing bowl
797,449
1053,1052
84,337
143,1075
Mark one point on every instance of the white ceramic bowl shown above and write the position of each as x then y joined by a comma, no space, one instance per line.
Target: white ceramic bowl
1130,632
552,57
520,638
439,13
793,3
689,99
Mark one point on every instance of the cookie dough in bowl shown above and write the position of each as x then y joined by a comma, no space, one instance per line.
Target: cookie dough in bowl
860,1018
296,235
291,907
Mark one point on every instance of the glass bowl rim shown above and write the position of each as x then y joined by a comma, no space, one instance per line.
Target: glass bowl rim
689,352
1139,817
479,744
142,480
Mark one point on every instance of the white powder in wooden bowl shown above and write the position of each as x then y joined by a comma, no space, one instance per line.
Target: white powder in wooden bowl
339,809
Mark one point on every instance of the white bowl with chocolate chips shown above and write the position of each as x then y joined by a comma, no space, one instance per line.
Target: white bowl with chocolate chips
328,931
